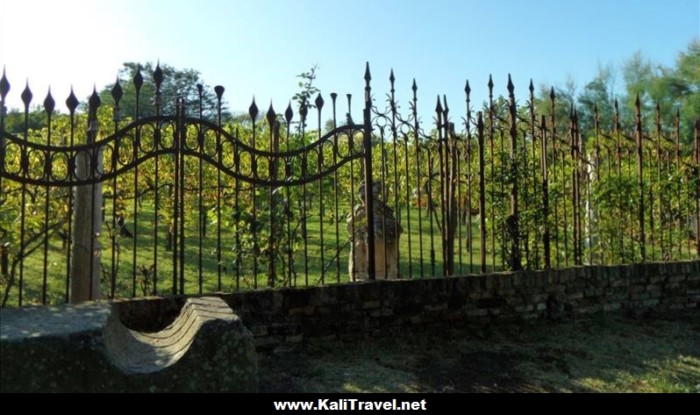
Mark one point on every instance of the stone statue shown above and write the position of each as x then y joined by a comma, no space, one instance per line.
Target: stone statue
387,231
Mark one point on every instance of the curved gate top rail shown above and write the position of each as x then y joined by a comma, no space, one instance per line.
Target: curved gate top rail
25,161
50,165
103,216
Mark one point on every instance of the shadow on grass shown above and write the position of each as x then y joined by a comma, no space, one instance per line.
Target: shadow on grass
598,354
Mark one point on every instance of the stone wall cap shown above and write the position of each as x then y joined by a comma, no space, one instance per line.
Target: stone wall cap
17,324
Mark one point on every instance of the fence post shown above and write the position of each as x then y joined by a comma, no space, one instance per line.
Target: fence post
87,259
369,205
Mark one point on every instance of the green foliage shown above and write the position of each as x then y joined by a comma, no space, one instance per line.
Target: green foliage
307,91
176,83
675,89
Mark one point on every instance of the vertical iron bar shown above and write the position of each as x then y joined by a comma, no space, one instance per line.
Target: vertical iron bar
439,125
640,178
183,133
431,209
408,204
680,189
158,79
384,167
574,183
697,187
458,212
619,177
555,159
597,213
589,216
580,159
565,213
367,143
470,240
116,95
515,255
691,193
93,126
176,191
353,218
450,216
668,154
288,114
253,111
48,107
319,107
608,248
535,185
4,89
578,171
24,168
493,162
454,185
200,208
545,196
396,177
201,222
272,166
419,186
303,111
502,192
652,199
336,214
482,192
138,82
219,90
72,104
237,212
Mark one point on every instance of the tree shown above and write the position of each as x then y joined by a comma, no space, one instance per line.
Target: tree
176,83
684,84
15,118
598,93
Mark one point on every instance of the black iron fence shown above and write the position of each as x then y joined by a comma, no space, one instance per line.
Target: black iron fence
93,205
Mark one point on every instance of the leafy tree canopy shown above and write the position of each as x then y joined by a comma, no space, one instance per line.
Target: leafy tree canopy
176,83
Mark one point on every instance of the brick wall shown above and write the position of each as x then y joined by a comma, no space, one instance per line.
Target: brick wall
288,316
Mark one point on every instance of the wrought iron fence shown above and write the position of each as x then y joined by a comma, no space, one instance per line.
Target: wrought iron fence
176,203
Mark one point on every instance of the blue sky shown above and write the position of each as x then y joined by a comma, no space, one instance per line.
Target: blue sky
256,48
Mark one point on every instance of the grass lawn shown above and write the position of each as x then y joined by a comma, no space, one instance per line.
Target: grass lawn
598,354
320,258
306,256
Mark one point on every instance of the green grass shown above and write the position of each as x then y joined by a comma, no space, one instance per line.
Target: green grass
414,246
600,354
334,268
